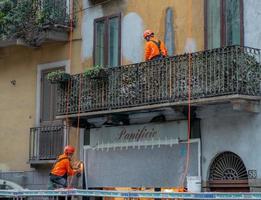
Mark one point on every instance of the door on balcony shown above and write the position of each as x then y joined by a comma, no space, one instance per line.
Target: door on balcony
51,134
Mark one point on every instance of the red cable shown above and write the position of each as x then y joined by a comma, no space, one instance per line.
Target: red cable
183,176
189,98
69,56
79,105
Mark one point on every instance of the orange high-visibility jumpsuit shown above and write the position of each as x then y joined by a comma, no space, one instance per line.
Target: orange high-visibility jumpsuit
153,50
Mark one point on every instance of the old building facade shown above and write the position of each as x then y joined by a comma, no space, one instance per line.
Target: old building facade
131,122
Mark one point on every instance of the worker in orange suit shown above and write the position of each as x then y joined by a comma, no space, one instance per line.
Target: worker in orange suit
62,168
154,48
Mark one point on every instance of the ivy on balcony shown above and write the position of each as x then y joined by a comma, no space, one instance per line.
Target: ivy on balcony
222,73
28,20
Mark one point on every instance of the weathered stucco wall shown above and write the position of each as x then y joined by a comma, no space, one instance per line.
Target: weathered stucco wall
17,102
137,16
223,129
17,107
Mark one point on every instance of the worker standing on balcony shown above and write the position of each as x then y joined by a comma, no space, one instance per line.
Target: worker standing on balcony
154,48
62,168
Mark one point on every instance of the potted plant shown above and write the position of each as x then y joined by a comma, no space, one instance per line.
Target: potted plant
96,72
58,76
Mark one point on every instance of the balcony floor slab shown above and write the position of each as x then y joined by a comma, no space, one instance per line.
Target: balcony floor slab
194,102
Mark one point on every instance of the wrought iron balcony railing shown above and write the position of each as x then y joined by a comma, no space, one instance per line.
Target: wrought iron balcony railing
219,72
46,143
31,21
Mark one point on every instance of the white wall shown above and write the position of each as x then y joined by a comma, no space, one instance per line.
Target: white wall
223,129
89,15
132,41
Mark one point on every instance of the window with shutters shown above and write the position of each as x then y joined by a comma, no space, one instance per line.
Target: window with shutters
107,42
48,98
223,23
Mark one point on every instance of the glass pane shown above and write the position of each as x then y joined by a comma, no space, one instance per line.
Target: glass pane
48,101
113,42
54,96
99,43
232,22
213,25
46,98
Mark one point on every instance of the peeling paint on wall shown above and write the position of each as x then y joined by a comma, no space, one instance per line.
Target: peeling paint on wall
132,40
169,33
87,28
190,45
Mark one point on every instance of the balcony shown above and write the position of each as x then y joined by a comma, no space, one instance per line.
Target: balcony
33,22
213,76
46,143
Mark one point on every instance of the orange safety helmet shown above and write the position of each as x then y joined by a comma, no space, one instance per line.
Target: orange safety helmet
147,33
69,149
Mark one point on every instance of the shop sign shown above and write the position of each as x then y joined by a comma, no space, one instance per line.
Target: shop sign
137,133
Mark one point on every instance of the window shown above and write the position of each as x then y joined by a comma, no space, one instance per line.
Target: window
223,22
47,140
48,98
107,41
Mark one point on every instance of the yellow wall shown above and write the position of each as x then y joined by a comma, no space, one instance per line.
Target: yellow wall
17,103
188,20
186,16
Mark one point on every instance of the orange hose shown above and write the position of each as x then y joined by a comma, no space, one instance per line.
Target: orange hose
79,110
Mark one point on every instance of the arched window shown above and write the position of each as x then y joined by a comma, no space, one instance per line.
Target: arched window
227,166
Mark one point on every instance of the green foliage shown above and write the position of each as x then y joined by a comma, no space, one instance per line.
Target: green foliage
95,72
6,7
28,19
50,14
58,76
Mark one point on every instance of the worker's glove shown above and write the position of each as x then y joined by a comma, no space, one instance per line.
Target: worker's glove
78,171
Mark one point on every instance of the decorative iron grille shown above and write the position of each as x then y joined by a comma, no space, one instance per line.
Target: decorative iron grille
228,166
46,142
230,70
